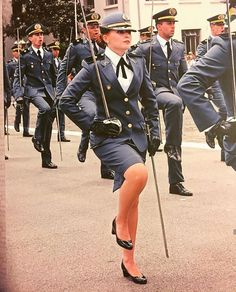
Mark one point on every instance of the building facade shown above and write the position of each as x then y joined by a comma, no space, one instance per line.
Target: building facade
191,28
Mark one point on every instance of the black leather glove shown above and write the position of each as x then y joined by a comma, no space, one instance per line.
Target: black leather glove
153,145
109,127
219,130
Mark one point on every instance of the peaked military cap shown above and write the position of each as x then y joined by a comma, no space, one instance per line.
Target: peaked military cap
166,15
219,18
116,21
15,48
34,28
147,29
54,45
90,18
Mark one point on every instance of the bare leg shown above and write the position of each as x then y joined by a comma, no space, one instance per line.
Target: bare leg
127,218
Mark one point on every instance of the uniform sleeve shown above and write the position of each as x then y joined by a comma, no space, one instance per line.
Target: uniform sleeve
65,69
183,67
194,83
201,50
149,103
18,89
72,94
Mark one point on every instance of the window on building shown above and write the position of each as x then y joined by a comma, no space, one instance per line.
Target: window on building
111,2
191,39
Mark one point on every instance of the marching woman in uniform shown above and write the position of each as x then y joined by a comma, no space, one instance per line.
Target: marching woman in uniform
120,140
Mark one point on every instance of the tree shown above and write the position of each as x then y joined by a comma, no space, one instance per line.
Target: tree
56,15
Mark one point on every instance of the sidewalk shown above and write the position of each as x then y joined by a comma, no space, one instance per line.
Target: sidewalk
59,224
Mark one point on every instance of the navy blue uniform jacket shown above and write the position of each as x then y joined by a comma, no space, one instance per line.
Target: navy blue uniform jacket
123,106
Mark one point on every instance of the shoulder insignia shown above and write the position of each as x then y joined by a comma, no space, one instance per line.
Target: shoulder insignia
77,41
177,41
24,52
204,42
99,57
133,47
134,55
146,41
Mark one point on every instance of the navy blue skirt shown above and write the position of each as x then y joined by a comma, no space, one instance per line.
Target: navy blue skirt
119,156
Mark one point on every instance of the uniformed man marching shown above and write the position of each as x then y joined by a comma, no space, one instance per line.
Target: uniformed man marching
217,24
75,54
168,64
214,65
22,105
145,33
37,65
54,47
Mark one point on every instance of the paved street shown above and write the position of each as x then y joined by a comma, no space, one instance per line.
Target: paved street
59,223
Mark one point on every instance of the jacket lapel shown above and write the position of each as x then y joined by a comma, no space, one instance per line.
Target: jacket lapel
109,74
136,70
156,48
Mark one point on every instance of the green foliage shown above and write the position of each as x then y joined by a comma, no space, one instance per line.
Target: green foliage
56,15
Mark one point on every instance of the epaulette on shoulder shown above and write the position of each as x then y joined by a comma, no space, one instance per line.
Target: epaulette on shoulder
77,41
24,52
9,61
133,47
146,41
204,42
177,41
134,55
99,57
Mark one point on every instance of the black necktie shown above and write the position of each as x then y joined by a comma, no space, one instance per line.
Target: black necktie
95,47
39,55
121,64
168,49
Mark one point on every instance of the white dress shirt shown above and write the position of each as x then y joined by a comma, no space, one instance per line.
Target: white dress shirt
36,51
163,44
125,83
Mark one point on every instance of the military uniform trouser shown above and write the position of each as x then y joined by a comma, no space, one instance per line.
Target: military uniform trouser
45,118
61,116
23,110
172,107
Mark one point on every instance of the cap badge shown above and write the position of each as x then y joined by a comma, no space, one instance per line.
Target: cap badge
125,17
95,16
172,11
37,26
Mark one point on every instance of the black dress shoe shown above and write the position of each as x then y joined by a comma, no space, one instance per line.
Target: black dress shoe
37,145
179,189
50,165
108,174
136,279
6,157
63,139
16,126
210,139
27,135
81,156
127,244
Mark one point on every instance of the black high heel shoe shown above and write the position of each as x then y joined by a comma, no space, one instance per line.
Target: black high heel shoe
136,279
127,244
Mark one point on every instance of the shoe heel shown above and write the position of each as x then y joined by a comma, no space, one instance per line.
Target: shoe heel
113,230
124,270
